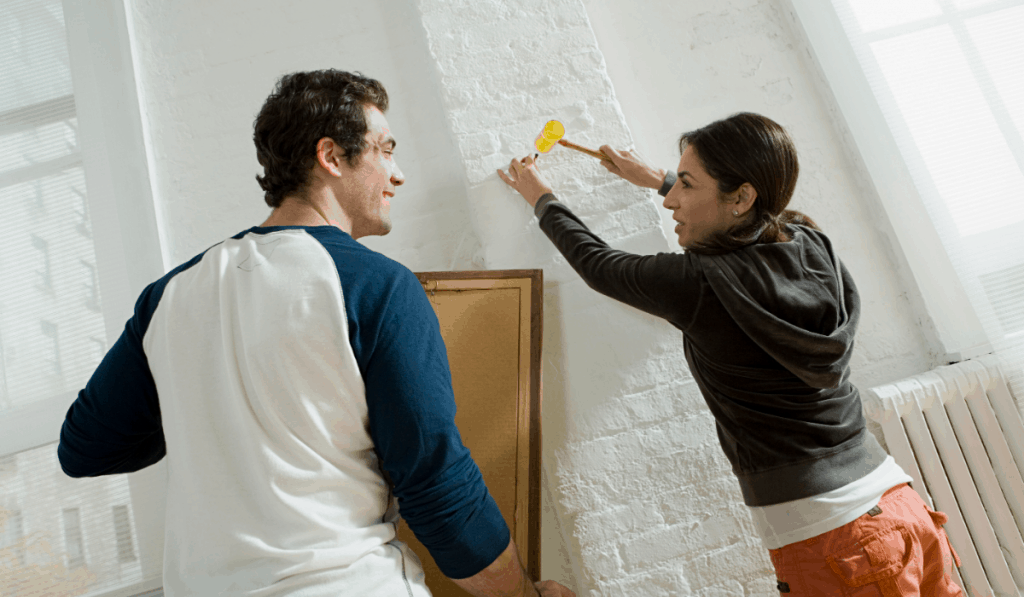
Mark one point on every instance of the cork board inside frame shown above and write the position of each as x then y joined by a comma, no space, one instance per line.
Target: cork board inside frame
492,325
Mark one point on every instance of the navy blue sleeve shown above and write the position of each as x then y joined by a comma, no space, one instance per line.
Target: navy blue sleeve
441,493
114,424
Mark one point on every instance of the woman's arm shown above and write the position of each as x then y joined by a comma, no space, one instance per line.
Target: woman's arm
523,176
628,166
661,284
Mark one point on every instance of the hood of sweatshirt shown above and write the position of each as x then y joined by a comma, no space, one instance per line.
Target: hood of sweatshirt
795,300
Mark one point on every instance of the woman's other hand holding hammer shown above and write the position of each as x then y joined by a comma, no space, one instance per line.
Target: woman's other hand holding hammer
627,165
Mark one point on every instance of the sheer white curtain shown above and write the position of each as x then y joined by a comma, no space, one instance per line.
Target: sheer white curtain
64,291
945,88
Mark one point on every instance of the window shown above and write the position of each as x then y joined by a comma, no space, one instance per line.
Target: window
1001,288
73,538
5,400
45,273
64,529
82,227
947,73
99,347
92,298
12,538
123,535
78,242
42,177
963,140
49,330
932,92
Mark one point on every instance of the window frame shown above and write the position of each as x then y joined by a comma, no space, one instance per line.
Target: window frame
129,249
124,227
952,324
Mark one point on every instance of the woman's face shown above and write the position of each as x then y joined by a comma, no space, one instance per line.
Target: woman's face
695,204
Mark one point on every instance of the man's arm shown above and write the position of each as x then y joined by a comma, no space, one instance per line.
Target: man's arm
505,577
114,424
411,408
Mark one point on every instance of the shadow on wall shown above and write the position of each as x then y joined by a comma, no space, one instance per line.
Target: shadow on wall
434,230
432,226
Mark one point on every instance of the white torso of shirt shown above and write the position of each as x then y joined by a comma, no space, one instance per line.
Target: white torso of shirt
798,520
274,485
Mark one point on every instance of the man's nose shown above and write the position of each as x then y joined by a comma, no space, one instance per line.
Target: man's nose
397,178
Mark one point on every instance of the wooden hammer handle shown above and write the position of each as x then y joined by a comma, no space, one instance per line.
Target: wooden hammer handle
590,152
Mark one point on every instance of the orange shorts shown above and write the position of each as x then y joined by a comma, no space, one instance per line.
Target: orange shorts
895,550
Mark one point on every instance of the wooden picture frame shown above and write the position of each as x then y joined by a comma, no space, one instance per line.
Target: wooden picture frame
492,324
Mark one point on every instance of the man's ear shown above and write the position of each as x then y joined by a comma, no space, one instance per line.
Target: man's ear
329,155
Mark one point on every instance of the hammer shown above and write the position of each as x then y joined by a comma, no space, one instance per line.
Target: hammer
552,133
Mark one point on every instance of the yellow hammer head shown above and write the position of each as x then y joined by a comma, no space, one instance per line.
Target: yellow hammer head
549,136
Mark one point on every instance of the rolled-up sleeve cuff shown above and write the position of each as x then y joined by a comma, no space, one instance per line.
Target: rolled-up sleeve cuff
666,185
542,203
483,538
458,521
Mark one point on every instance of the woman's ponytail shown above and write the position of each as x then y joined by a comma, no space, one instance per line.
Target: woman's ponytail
791,216
775,229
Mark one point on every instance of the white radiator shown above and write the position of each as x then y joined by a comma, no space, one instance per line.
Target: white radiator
957,431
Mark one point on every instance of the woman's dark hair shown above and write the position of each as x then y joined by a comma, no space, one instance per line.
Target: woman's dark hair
304,108
749,148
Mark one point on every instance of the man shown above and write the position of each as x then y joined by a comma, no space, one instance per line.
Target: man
294,379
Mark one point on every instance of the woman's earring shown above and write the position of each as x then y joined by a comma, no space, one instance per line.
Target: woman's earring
735,213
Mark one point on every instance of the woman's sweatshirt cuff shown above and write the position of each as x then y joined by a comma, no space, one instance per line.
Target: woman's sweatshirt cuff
666,185
538,209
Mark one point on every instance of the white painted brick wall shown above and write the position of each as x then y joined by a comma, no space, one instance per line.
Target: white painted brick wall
638,499
628,430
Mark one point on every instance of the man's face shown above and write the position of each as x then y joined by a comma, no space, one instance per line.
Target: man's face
369,184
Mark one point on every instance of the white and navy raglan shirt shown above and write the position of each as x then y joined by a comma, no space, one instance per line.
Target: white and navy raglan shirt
296,381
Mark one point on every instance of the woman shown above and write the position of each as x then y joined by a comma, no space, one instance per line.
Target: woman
768,314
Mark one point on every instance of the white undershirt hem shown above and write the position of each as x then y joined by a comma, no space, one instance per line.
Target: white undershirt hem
782,524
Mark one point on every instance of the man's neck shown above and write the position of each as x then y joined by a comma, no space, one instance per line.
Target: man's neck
316,210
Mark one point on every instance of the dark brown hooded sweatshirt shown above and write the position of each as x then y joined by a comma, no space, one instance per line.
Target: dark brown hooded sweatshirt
768,334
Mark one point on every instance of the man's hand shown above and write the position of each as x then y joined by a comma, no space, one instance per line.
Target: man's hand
524,178
550,588
505,577
627,165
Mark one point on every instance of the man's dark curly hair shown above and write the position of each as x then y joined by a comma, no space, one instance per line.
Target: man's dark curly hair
304,108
